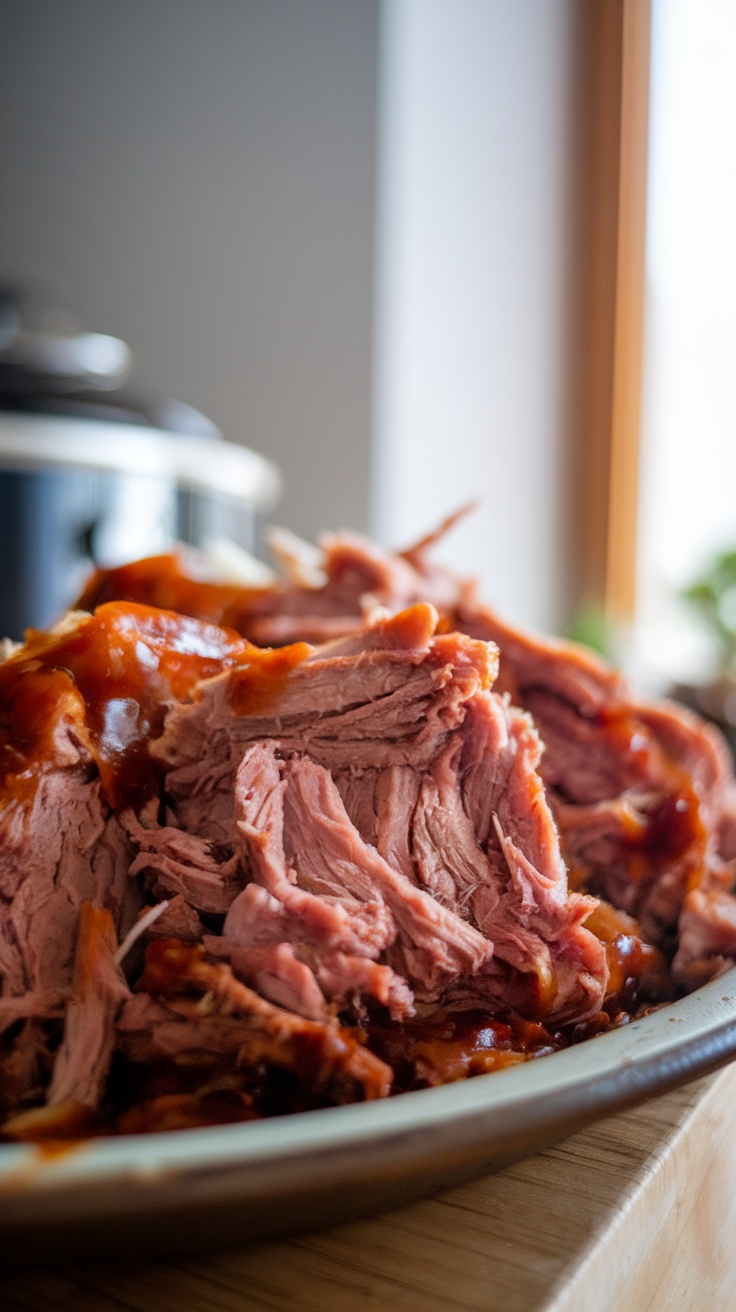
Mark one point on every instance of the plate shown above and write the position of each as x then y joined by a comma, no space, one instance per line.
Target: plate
226,1185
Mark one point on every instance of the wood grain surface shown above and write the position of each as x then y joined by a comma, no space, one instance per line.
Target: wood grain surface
635,1214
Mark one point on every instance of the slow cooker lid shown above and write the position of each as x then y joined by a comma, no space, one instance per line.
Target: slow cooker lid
50,367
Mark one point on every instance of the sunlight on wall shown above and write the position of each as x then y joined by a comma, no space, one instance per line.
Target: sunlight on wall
472,289
688,502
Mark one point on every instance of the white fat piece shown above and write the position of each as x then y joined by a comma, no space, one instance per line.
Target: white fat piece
8,648
227,562
144,922
70,621
300,562
372,610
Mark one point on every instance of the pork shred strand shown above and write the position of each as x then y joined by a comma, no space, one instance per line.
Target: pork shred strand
99,990
167,1020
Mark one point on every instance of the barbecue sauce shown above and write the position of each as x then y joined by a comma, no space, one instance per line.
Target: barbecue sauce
676,826
110,678
451,1046
637,971
256,687
162,582
35,702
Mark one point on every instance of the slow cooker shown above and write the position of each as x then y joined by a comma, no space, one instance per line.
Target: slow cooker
91,474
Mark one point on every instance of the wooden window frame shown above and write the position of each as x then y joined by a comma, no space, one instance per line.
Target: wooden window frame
614,117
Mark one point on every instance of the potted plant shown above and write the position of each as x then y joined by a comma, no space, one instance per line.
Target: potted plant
713,597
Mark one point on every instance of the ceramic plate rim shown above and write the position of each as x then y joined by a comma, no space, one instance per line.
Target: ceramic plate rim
672,1045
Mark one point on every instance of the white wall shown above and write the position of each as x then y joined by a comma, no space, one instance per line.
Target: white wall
476,149
197,176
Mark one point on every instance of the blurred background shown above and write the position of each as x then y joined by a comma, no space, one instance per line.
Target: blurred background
687,508
416,252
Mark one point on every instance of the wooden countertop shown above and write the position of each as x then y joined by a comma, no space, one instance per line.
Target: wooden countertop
635,1214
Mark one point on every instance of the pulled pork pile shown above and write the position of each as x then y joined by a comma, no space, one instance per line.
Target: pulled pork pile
270,849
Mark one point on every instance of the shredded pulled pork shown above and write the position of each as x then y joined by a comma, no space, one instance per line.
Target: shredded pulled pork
267,849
